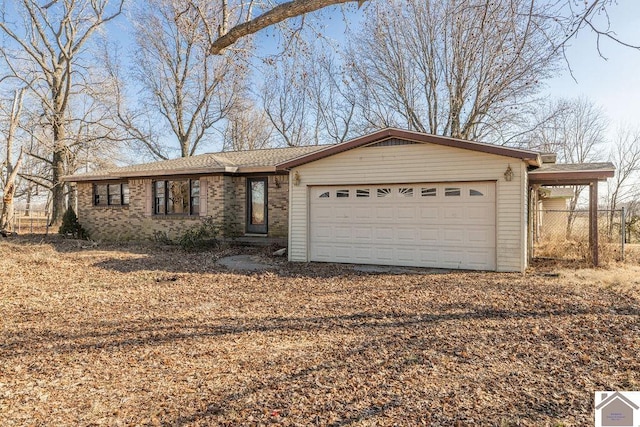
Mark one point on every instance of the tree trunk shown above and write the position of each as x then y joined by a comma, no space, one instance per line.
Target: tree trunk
6,218
72,188
57,192
27,208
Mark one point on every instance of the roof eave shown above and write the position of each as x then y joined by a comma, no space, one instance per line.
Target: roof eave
532,158
570,177
146,174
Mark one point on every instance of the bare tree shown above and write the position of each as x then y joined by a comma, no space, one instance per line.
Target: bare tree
306,95
457,68
570,15
284,100
47,52
184,91
223,35
575,132
248,128
11,169
622,189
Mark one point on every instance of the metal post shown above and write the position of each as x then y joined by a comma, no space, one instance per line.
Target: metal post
623,231
593,221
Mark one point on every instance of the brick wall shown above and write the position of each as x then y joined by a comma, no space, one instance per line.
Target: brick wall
225,198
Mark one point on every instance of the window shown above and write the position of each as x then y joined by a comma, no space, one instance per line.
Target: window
451,191
429,192
475,193
384,192
324,195
406,191
342,193
176,197
111,194
362,192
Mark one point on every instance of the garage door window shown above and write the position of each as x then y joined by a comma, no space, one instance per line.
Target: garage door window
473,192
324,195
451,191
384,192
429,192
406,191
362,193
342,193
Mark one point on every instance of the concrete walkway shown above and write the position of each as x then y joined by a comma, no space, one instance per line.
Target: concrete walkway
244,263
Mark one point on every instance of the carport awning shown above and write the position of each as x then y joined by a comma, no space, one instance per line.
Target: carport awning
577,174
571,173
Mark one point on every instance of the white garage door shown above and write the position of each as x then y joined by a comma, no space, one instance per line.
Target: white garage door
447,225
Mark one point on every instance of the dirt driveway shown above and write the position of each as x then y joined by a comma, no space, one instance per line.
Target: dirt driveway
133,335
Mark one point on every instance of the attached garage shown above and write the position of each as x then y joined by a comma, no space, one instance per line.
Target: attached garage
411,199
449,225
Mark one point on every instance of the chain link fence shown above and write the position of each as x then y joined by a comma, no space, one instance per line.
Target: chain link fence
32,221
564,234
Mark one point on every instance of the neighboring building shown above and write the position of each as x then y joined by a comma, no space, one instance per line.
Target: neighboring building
553,212
392,197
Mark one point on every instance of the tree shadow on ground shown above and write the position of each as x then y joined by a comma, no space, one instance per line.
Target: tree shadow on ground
394,342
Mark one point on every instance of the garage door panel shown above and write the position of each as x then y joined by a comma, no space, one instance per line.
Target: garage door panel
429,213
429,257
413,225
383,213
362,233
384,254
453,213
481,236
406,235
453,236
406,213
429,234
362,253
383,234
479,212
343,233
406,256
362,213
321,213
322,232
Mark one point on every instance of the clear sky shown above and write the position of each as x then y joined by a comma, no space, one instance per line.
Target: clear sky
612,83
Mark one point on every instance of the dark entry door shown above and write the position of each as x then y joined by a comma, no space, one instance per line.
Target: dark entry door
257,205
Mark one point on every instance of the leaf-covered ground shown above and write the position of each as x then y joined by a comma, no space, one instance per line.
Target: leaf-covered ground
132,335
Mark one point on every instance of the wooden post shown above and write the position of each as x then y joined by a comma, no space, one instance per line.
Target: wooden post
593,221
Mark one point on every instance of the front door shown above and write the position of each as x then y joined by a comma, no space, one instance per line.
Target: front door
257,205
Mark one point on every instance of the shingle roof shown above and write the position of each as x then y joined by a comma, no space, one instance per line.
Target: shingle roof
571,173
574,167
263,160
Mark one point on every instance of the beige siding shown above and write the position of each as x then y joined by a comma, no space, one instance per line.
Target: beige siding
419,163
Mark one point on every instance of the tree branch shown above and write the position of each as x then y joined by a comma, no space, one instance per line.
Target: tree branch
277,14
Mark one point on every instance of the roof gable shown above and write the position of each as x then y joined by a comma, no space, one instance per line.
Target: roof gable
397,136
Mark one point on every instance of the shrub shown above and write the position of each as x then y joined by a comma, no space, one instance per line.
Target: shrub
203,236
71,226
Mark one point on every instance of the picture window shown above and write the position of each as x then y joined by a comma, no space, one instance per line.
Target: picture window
176,197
